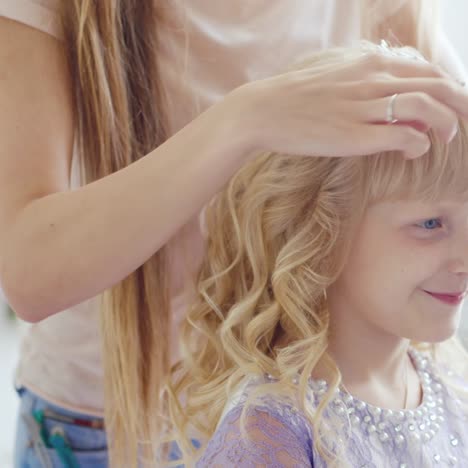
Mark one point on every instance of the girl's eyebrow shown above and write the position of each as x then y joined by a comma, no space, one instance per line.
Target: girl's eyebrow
405,211
420,210
443,205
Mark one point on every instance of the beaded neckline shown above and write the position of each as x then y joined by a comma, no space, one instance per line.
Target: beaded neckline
399,431
319,388
421,423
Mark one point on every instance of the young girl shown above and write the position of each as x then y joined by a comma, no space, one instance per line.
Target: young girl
328,301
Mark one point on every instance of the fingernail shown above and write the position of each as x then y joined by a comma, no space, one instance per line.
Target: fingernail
423,150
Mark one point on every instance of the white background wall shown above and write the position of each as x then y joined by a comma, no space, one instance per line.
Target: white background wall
9,333
454,16
454,20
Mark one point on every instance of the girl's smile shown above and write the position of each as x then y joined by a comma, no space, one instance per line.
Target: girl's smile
455,298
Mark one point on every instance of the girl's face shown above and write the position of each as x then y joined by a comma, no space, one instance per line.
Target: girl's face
407,273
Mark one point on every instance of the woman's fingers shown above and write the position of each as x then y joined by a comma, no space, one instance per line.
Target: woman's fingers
338,106
411,142
373,66
403,67
413,107
447,92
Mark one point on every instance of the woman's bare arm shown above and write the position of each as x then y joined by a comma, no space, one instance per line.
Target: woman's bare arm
60,247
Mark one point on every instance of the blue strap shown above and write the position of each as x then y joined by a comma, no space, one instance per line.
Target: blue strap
63,449
57,441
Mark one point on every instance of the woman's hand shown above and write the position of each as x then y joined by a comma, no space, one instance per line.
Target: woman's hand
338,106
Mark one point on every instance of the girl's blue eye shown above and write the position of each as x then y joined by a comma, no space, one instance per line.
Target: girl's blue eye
431,224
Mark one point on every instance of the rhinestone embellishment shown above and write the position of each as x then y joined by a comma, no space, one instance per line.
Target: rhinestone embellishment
396,427
393,428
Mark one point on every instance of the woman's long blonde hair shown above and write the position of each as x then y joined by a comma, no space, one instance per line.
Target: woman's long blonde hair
112,48
278,237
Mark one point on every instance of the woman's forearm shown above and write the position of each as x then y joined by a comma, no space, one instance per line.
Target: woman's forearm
67,247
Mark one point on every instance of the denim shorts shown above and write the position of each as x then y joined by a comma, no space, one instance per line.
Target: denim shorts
89,445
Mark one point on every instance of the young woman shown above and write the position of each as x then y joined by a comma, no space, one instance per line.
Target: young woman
118,122
323,331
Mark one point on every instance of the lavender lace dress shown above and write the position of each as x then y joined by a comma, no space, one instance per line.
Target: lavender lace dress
433,435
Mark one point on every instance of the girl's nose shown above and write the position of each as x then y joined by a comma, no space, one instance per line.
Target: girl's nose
459,265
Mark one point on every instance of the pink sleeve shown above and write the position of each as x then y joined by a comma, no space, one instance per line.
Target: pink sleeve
39,14
449,60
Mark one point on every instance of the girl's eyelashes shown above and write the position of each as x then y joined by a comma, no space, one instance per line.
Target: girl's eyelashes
430,224
428,229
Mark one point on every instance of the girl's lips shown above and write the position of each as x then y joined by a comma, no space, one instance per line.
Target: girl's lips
452,299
